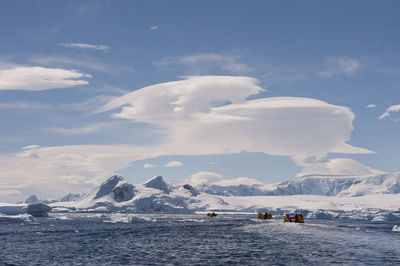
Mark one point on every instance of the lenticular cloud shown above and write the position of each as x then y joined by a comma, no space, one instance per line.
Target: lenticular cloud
212,115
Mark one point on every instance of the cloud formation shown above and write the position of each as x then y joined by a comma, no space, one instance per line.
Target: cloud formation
204,178
154,28
4,193
174,164
340,66
212,178
40,78
210,115
389,110
66,168
81,130
338,166
83,61
148,165
371,106
25,105
201,63
98,47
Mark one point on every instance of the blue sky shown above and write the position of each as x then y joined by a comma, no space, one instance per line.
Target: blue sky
68,69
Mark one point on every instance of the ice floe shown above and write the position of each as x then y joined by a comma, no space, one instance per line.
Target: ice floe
17,218
126,218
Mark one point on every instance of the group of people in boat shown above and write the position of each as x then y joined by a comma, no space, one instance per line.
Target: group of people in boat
297,218
264,216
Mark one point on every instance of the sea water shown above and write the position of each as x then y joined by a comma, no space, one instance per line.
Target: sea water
103,239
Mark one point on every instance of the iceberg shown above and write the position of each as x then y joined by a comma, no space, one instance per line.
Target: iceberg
38,210
127,218
321,215
385,216
11,209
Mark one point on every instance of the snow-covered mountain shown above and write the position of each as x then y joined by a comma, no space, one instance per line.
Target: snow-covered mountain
337,185
156,195
312,185
368,196
115,188
116,194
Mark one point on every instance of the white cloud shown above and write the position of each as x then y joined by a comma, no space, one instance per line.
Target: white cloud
182,99
98,47
89,104
338,166
5,193
72,179
62,168
371,106
30,147
40,78
204,178
238,181
391,109
295,127
288,75
174,164
200,63
81,130
24,105
340,66
148,165
154,28
84,61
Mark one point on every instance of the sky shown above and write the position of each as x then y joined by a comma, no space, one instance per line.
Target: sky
247,91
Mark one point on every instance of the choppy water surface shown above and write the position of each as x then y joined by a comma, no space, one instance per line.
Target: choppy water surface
195,239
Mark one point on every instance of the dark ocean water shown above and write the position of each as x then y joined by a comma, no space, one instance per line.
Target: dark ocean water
195,239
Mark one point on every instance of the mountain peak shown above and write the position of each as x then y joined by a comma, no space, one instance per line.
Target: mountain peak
157,182
108,186
70,197
32,199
